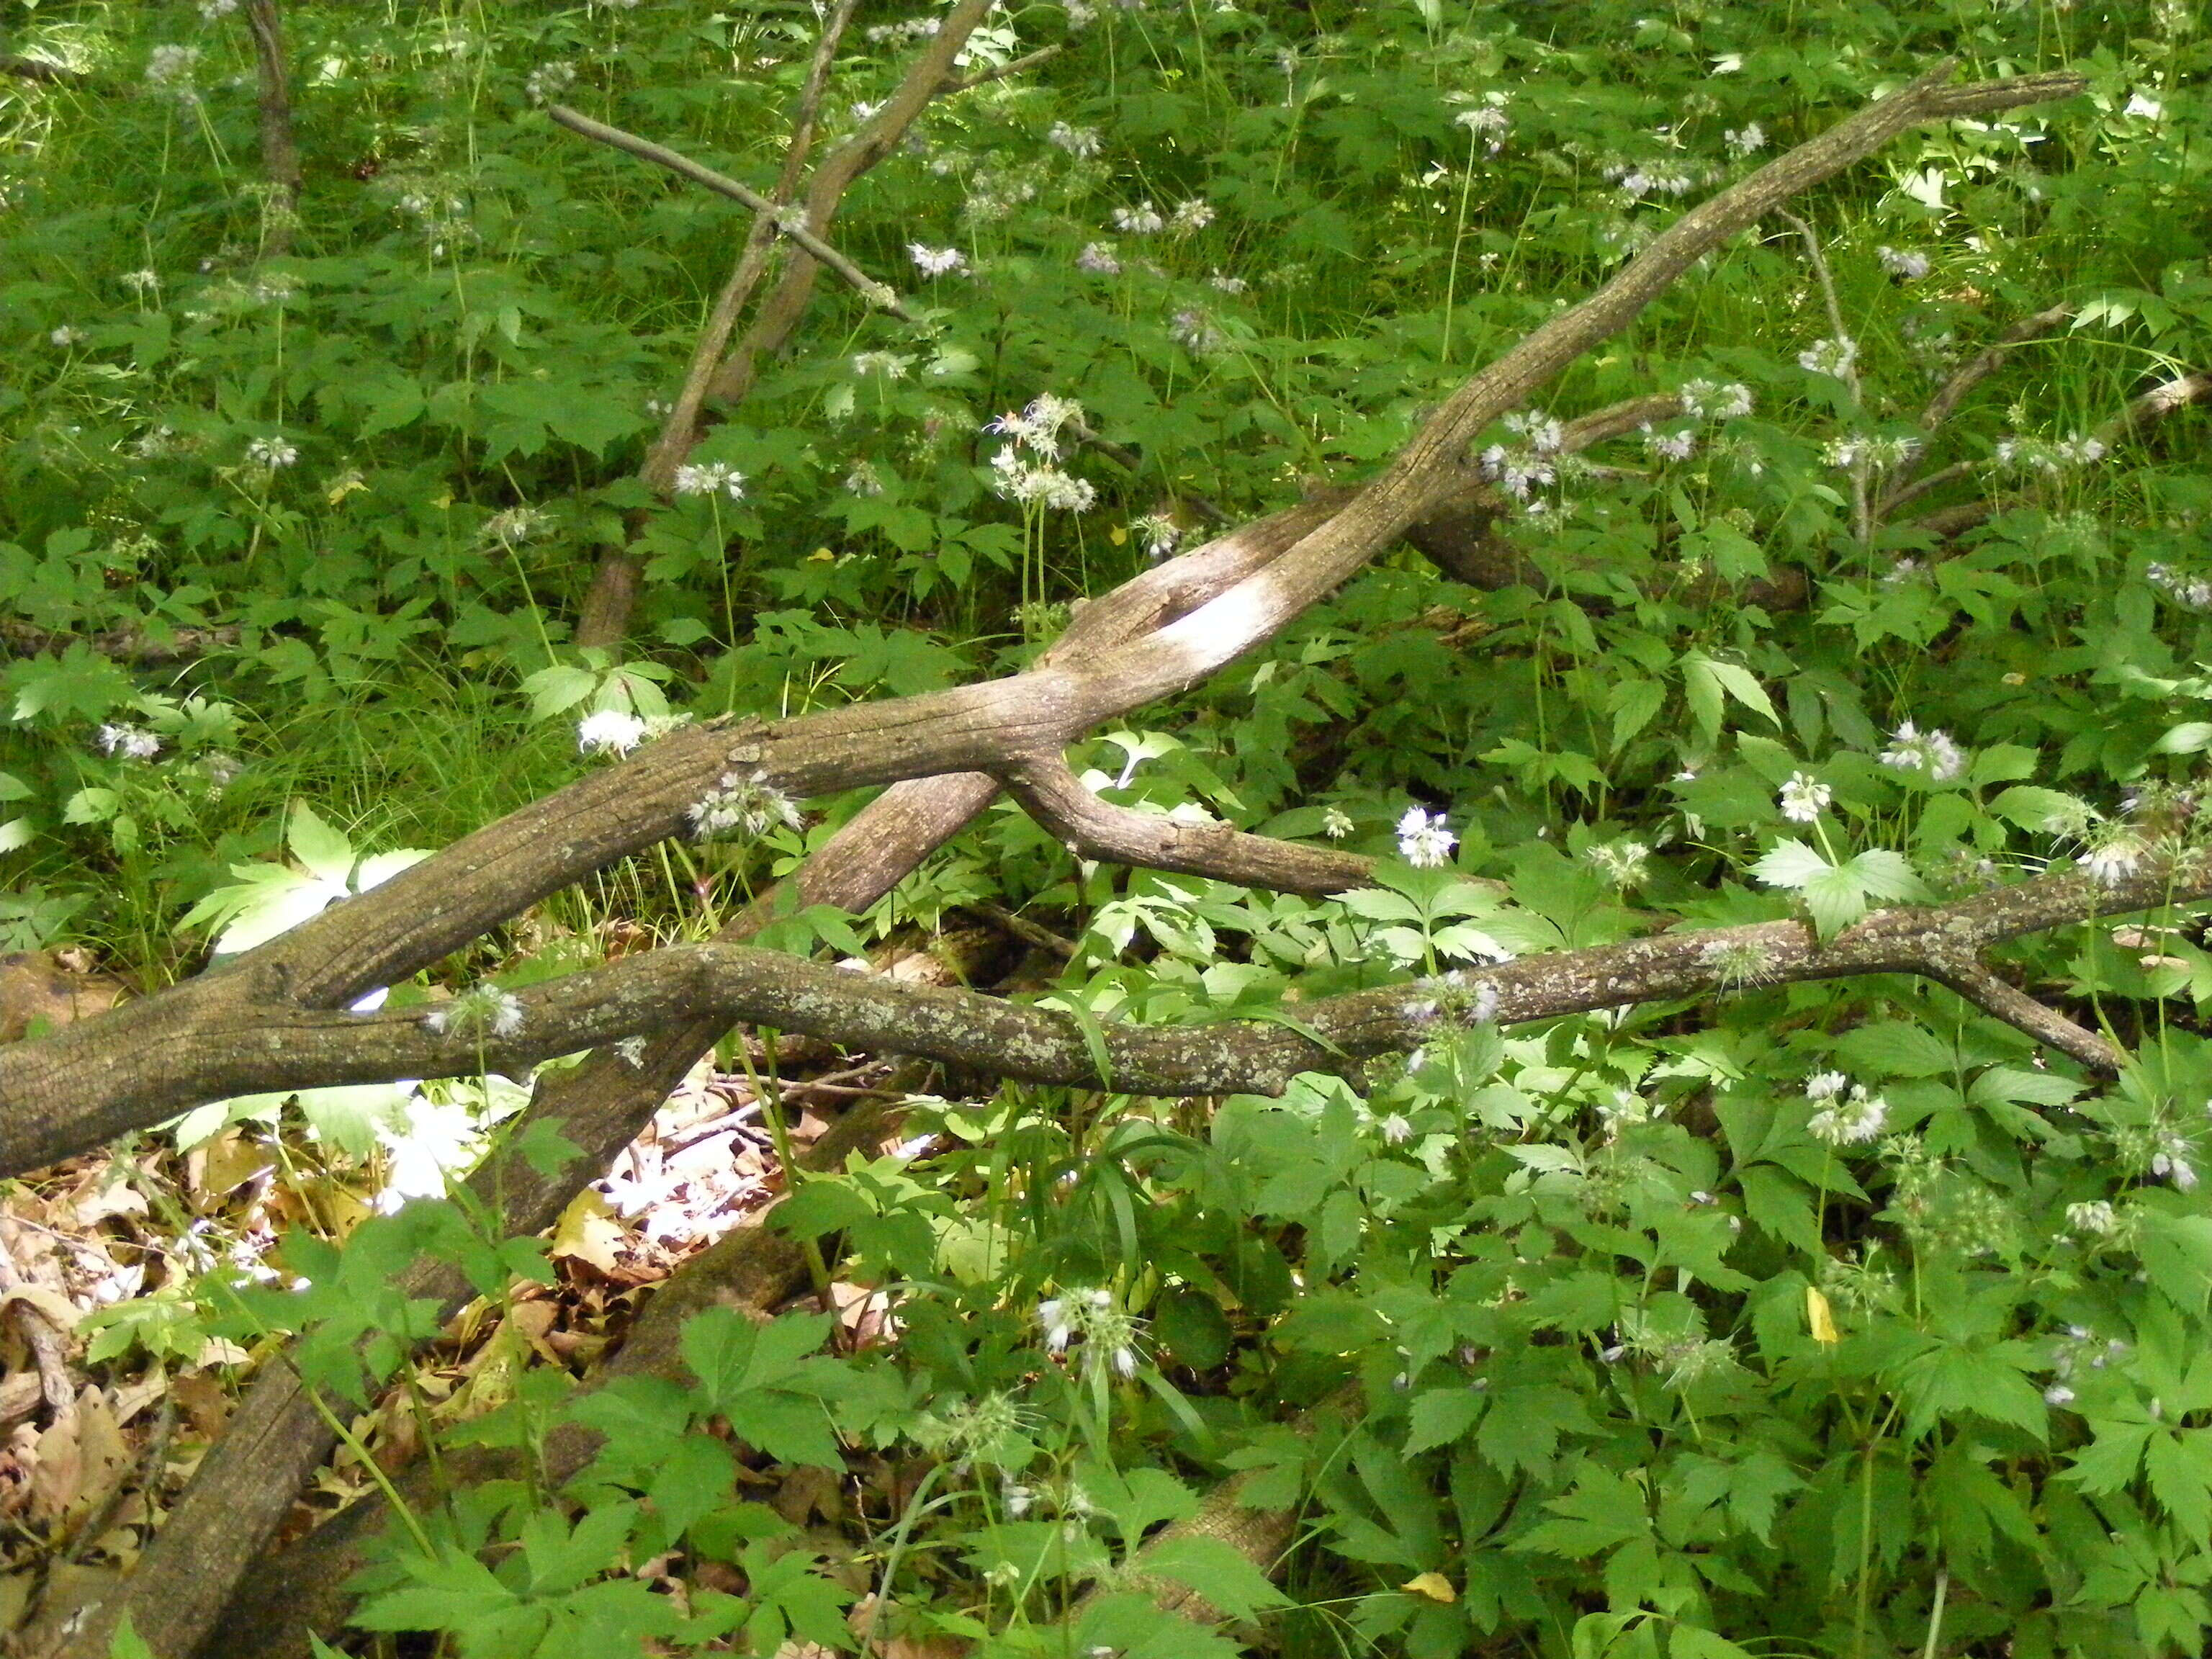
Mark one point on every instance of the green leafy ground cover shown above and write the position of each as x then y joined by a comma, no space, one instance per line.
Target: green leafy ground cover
1826,1319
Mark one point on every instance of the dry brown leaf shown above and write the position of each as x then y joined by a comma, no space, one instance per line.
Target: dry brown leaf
807,1491
532,1321
82,1458
204,1402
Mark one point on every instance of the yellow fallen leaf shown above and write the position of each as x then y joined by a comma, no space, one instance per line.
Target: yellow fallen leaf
589,1231
1119,535
1433,1585
1820,1317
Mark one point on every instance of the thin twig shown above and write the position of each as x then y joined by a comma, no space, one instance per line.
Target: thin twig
787,222
1134,464
1023,928
1986,362
679,433
2146,410
1862,514
968,83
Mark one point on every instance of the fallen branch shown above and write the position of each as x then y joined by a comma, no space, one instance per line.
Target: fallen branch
786,221
233,1027
2141,413
131,643
984,77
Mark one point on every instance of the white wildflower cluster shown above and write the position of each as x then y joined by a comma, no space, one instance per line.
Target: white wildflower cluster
1024,470
66,336
1849,1116
709,478
2170,1161
158,443
609,731
549,80
439,208
1158,532
1037,428
1487,120
1195,214
482,1010
1656,178
1142,220
141,282
1622,864
1081,142
743,803
981,1427
1099,259
1803,798
1676,446
1880,451
2079,1346
1222,283
1715,400
994,192
2114,853
891,365
131,742
864,479
272,452
1108,1332
234,299
1931,754
1423,840
2049,455
1909,262
1746,140
1686,1358
1193,330
511,526
213,11
1834,357
1531,462
170,68
2093,1218
1336,823
1738,961
934,262
911,28
2189,592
